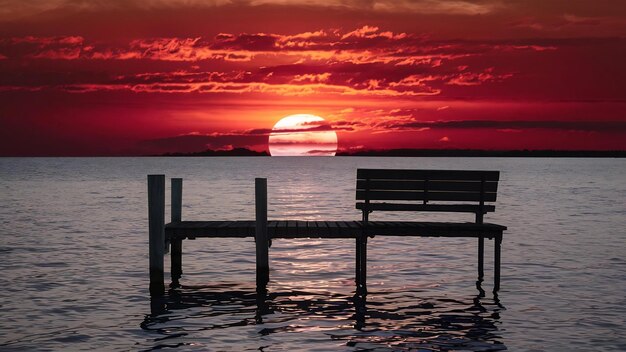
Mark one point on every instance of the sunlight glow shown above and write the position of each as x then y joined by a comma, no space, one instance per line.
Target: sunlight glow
302,135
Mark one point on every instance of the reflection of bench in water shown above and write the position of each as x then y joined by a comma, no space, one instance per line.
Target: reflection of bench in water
376,190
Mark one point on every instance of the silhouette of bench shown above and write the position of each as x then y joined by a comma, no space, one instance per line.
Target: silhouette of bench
376,190
461,191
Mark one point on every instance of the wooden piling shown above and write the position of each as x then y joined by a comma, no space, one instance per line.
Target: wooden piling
481,258
364,265
177,243
481,240
156,231
496,263
361,252
261,239
177,199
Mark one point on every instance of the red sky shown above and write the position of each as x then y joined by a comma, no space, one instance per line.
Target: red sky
127,78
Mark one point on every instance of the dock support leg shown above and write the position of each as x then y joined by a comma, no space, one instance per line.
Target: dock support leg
481,258
362,262
496,262
177,243
177,262
261,236
156,230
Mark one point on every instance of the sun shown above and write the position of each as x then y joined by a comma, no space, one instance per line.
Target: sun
302,135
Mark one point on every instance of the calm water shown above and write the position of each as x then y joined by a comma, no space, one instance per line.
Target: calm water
73,250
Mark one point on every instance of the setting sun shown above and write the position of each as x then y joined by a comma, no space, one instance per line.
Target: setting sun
302,135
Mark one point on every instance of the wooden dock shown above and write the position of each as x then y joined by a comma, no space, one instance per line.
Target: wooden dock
173,233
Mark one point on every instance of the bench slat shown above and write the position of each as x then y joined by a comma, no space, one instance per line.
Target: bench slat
440,175
420,196
418,185
451,208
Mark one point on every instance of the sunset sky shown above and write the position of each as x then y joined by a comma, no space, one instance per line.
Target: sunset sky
129,77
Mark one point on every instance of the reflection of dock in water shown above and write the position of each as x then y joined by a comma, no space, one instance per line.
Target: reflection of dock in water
390,320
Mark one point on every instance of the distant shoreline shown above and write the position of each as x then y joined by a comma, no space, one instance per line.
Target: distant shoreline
431,153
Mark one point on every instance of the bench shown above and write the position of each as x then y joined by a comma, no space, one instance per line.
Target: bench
428,191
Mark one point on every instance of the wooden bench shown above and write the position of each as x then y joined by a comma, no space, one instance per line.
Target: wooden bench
428,191
376,190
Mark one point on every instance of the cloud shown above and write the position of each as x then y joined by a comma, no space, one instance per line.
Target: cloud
365,61
380,121
251,138
12,9
474,79
312,78
16,8
447,7
508,126
568,21
367,44
198,142
286,90
322,152
55,48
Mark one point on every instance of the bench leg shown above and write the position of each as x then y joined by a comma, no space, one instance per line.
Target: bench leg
496,263
176,262
357,266
481,258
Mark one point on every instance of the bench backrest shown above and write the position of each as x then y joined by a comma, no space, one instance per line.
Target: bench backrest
427,190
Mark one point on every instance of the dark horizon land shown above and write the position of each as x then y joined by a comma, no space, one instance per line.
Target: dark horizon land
423,153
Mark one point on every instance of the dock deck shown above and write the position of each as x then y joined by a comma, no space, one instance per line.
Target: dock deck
329,229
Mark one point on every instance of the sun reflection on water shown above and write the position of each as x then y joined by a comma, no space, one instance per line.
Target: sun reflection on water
387,320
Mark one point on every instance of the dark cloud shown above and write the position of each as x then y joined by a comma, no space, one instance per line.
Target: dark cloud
590,126
200,142
366,61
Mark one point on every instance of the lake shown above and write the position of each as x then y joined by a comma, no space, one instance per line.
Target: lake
74,260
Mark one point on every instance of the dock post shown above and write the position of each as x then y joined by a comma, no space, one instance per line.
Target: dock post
481,258
156,231
361,252
481,239
177,242
261,236
496,262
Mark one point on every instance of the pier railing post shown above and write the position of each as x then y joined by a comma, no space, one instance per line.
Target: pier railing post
156,230
261,236
177,243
